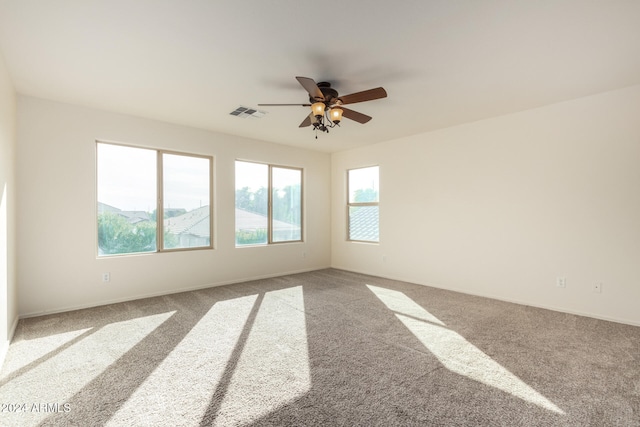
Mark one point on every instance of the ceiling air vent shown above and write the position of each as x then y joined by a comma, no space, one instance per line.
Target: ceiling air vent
245,112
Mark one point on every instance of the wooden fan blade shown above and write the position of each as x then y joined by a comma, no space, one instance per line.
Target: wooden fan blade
310,86
365,95
284,105
306,122
354,115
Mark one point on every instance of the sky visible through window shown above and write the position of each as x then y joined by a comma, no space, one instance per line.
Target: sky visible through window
252,175
186,181
362,179
256,175
128,175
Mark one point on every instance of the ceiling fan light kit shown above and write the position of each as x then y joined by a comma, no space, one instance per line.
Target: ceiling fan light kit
318,109
335,115
327,107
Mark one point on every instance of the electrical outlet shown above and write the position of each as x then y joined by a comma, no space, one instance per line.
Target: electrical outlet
597,288
304,254
561,282
106,277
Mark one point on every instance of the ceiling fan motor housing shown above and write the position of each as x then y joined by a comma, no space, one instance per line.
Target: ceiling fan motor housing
329,93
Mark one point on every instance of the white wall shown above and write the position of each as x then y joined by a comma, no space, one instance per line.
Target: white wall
499,208
502,207
57,265
8,301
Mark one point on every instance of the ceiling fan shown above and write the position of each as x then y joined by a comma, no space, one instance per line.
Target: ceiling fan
327,107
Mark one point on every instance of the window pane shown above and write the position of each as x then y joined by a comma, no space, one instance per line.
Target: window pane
186,204
286,199
364,223
363,185
252,197
126,199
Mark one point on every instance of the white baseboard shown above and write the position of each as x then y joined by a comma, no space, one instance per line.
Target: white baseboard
268,276
169,292
499,298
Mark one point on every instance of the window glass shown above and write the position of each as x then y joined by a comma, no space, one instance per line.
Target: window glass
186,201
364,223
363,185
126,200
268,204
252,203
363,204
128,185
286,199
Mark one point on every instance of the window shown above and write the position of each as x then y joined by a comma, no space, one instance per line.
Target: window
362,204
132,218
268,204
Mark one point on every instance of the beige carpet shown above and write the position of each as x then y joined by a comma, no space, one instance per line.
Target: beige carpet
320,349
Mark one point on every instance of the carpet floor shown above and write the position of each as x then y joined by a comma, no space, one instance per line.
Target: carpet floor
325,348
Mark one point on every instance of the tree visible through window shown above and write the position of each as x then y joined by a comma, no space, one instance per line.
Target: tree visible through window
268,204
131,216
363,204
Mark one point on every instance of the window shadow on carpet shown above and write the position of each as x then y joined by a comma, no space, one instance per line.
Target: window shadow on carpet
324,348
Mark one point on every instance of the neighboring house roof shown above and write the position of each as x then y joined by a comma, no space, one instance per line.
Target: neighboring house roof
195,222
364,224
246,220
133,217
103,207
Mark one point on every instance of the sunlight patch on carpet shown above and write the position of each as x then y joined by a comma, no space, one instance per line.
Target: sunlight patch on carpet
273,368
31,350
193,368
400,303
460,356
59,378
455,352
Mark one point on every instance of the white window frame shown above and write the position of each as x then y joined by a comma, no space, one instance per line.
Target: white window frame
160,201
270,218
351,204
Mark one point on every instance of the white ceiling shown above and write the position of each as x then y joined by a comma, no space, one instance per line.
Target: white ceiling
442,62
